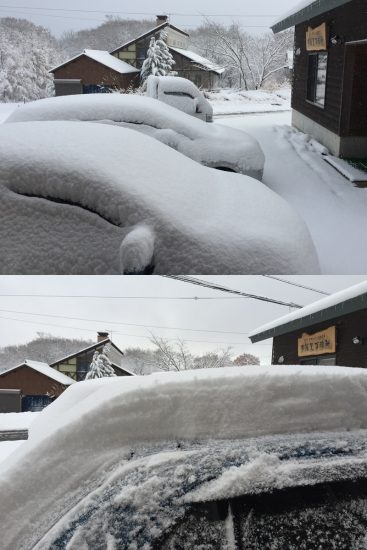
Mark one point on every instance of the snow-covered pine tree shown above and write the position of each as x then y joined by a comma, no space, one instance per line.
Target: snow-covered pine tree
159,61
166,59
100,366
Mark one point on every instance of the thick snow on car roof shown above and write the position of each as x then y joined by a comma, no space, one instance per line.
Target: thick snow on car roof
196,220
89,431
206,143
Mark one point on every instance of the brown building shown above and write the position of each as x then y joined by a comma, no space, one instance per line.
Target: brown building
331,331
38,383
76,365
188,64
93,71
330,77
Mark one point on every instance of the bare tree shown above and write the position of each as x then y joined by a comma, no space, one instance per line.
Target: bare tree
246,359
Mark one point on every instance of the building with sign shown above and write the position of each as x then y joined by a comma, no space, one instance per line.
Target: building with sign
330,76
331,331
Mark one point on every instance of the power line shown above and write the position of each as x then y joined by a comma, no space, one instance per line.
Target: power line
90,296
119,323
297,284
129,335
153,14
215,286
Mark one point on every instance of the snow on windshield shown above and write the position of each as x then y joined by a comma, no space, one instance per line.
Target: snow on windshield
204,221
99,446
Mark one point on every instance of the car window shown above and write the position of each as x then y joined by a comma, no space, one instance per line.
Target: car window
327,516
179,94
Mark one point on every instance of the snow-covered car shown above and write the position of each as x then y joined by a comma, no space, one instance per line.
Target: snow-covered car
180,93
83,198
213,145
243,457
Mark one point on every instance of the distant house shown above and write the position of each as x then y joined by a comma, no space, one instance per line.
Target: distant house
190,65
93,71
330,77
76,365
39,384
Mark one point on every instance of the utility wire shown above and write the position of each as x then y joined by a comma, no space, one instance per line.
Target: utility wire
93,296
129,335
215,286
119,323
153,14
297,284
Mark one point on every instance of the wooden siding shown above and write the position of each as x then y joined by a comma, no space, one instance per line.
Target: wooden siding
349,22
347,353
30,382
91,73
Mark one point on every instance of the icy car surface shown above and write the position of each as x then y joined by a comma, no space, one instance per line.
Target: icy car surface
252,457
84,198
213,145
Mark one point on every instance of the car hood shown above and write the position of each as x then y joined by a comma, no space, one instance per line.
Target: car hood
201,220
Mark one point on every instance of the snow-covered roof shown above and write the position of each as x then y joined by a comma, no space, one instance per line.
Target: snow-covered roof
147,33
343,302
304,10
44,369
105,58
88,348
199,60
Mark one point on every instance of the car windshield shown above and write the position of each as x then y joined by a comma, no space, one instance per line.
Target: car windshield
177,497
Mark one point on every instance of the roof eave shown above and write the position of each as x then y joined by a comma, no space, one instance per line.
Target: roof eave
309,12
344,308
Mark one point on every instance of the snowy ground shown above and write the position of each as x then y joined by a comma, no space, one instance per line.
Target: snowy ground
14,421
253,101
333,209
6,109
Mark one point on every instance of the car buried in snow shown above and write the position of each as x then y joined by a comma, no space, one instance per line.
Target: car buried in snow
212,145
83,198
247,458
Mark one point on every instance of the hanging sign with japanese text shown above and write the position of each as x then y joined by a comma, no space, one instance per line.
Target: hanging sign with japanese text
316,39
318,343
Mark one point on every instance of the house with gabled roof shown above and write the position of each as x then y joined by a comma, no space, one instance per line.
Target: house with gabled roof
39,384
95,71
76,365
188,64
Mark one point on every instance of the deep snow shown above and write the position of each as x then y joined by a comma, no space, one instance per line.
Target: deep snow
112,180
333,209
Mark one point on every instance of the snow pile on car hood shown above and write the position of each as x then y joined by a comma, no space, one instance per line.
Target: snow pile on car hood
201,220
214,145
91,429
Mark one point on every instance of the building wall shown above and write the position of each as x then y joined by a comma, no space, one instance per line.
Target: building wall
10,401
30,382
187,69
92,73
349,23
347,353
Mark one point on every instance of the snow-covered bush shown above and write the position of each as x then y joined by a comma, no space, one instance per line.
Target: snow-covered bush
159,61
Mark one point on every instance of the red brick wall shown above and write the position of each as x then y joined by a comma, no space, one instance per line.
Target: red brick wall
91,72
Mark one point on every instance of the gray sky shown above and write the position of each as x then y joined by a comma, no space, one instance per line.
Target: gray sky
51,15
227,314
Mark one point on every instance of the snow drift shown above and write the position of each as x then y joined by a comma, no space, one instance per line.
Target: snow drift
72,191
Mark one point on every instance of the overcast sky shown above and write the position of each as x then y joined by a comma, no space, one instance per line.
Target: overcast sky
58,17
224,313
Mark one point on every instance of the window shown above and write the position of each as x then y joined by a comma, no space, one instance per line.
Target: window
316,83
